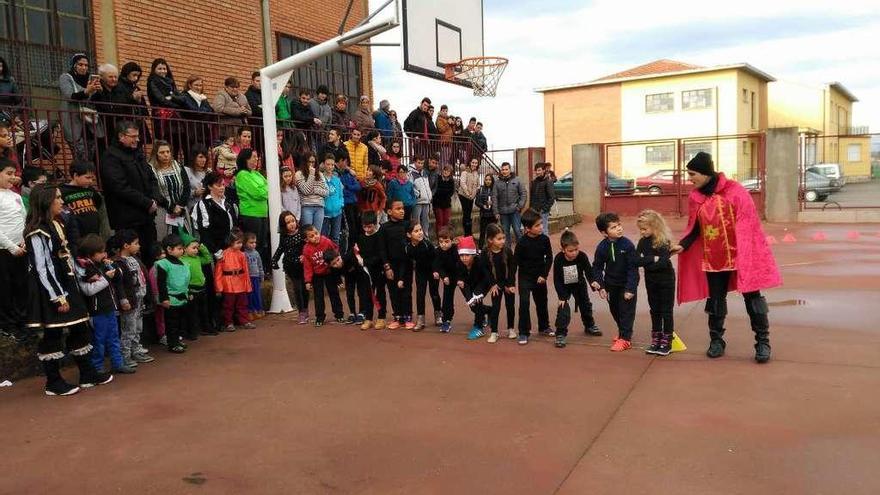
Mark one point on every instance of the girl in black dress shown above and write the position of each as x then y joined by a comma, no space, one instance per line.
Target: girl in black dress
653,253
56,303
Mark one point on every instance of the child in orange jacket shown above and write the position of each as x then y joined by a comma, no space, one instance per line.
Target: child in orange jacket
231,278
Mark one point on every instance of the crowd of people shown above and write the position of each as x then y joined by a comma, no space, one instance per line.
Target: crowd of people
189,250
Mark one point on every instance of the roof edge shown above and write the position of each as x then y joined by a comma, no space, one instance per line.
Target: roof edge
840,87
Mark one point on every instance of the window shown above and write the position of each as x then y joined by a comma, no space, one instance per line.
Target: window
854,153
746,95
340,71
662,102
754,111
696,99
659,154
691,149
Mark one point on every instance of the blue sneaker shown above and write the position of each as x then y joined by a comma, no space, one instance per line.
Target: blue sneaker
475,333
523,340
445,327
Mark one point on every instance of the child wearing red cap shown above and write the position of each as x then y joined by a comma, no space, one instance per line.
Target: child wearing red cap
473,280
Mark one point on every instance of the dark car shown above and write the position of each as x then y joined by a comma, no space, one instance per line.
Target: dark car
816,187
563,186
662,181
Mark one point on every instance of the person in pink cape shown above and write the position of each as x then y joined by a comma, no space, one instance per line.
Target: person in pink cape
724,250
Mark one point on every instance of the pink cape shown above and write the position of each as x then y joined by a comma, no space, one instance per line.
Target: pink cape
755,266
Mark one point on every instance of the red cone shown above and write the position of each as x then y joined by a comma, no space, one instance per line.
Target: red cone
819,236
853,234
771,240
789,238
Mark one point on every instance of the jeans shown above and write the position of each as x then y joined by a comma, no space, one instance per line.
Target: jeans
313,215
105,341
467,220
420,215
511,220
332,228
623,311
319,283
255,296
545,221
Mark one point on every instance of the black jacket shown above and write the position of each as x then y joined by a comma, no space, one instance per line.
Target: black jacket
486,200
339,151
419,259
446,262
418,123
106,299
83,204
615,264
129,187
130,281
373,248
291,247
444,192
534,257
564,271
255,100
502,267
477,279
659,271
159,89
395,241
302,115
212,221
541,195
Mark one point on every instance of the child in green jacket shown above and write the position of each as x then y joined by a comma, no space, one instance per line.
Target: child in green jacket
196,256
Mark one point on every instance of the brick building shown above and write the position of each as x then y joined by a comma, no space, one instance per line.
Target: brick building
211,38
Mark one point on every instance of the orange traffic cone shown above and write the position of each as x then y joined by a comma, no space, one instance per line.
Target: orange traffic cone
789,238
853,235
771,240
819,236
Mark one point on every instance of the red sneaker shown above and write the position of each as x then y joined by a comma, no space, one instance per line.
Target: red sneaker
620,345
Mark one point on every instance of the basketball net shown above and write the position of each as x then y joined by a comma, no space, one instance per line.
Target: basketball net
483,73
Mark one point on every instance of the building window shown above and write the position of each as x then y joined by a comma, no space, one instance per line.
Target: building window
691,149
39,36
746,95
696,99
662,102
854,153
340,71
658,155
754,111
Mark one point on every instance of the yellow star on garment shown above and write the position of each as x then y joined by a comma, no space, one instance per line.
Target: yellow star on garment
710,233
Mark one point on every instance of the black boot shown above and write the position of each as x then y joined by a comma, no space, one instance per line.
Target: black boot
757,310
717,311
55,384
88,376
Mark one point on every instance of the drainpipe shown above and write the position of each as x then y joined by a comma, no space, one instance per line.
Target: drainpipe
267,32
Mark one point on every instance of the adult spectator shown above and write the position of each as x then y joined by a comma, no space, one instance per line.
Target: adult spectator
243,140
79,118
130,101
302,115
382,117
232,105
468,184
340,119
444,129
418,127
9,95
376,153
358,155
282,108
541,196
173,186
197,112
460,142
103,100
725,249
252,189
130,188
479,139
335,146
166,101
320,107
511,200
363,117
396,129
418,174
215,215
433,173
254,96
197,168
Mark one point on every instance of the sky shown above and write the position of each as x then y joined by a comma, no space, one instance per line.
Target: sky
555,42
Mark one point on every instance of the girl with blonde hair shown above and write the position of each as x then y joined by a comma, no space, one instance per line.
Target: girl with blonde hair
653,254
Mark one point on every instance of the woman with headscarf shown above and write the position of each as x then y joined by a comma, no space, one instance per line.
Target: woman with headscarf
79,119
131,101
166,101
9,95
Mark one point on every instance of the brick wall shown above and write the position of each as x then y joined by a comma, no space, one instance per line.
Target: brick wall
218,38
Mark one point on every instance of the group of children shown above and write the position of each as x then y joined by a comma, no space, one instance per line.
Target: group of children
386,260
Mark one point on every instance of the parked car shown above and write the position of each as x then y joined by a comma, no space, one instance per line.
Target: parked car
831,170
662,181
816,187
616,186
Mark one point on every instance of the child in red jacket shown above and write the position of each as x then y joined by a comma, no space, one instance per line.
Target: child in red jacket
318,276
232,280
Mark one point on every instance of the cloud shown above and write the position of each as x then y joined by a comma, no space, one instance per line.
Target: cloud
552,42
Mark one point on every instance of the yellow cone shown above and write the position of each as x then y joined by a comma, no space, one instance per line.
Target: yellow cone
677,343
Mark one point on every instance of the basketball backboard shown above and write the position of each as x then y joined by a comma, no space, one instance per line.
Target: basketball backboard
440,32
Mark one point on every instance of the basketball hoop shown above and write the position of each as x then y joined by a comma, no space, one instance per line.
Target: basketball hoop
483,73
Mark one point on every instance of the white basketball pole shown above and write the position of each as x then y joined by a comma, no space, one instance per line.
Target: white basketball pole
273,79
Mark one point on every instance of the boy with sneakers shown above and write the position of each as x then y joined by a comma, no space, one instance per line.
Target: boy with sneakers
445,271
572,276
616,277
136,291
534,257
473,280
318,276
371,244
357,283
172,281
395,249
196,256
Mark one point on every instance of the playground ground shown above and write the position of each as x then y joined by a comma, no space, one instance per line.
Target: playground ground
295,409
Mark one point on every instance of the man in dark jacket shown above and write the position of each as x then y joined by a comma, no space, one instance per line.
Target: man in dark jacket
254,95
511,201
130,188
541,196
479,139
302,115
334,146
418,127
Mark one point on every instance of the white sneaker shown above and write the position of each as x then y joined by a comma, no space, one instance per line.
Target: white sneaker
511,333
493,338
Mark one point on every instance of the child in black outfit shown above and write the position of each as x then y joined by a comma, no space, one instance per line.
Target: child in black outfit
291,247
572,276
502,265
653,256
395,245
616,277
357,282
420,254
534,257
445,272
371,244
473,280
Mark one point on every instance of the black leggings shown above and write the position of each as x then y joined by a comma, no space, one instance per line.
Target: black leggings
623,311
448,300
539,292
425,283
319,283
661,299
358,293
510,305
380,285
716,307
584,306
467,209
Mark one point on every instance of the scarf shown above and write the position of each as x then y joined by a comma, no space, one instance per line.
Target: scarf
81,80
197,96
379,148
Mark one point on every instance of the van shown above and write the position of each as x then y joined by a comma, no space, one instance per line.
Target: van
831,170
